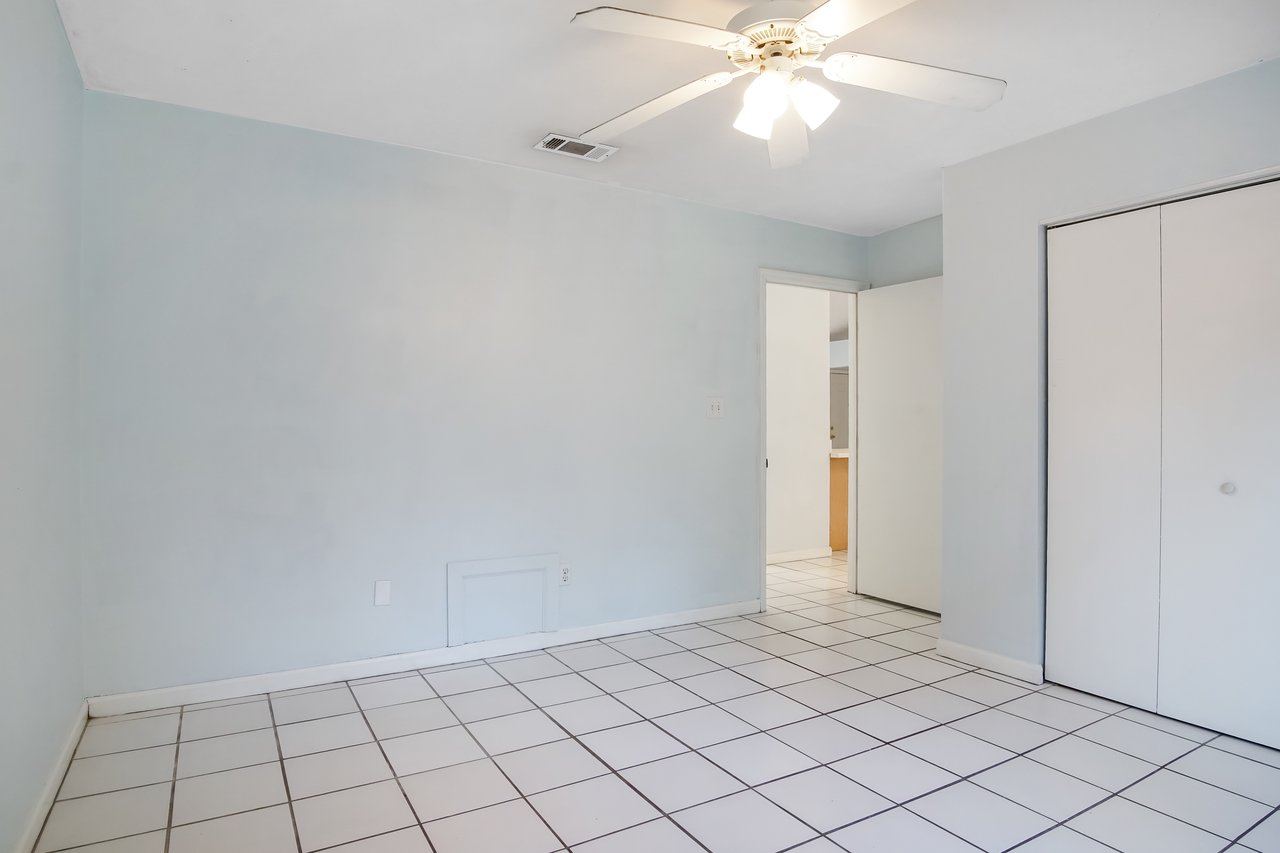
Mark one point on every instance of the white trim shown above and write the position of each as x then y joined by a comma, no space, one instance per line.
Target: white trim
1231,182
1033,673
231,688
802,279
766,277
803,554
27,841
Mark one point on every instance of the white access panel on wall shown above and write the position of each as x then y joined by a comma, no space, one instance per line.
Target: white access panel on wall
1103,540
797,422
1219,634
899,443
504,597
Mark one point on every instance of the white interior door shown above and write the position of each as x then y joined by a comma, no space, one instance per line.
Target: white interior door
1220,569
899,443
1103,581
797,422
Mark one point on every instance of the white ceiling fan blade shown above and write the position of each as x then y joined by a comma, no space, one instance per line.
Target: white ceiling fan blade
615,20
659,105
789,143
837,18
925,82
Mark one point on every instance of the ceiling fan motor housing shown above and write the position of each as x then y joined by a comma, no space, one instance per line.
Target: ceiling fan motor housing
776,36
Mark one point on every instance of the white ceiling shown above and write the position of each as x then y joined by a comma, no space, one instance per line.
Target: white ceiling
488,79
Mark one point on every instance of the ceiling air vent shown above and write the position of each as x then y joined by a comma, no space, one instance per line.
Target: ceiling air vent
572,147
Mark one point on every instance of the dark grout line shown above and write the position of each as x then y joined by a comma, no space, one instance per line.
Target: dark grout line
293,817
173,784
105,841
400,785
138,788
1239,838
1259,762
375,835
123,751
131,716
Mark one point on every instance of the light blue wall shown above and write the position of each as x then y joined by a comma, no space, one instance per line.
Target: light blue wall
994,314
40,657
909,253
312,362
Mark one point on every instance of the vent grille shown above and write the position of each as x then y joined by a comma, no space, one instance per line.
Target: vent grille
570,146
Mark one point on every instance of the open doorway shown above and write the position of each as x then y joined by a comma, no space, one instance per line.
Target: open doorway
851,438
808,324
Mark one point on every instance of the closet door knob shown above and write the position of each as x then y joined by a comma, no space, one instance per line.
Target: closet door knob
1227,488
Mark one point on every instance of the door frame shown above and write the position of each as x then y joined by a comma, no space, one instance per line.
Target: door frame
765,278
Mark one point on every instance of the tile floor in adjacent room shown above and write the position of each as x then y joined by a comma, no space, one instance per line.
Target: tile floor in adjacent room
827,724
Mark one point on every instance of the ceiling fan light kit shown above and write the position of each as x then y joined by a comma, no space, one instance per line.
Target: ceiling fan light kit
775,41
763,101
754,123
769,95
814,103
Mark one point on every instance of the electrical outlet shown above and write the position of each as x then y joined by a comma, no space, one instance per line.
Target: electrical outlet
564,574
715,407
381,593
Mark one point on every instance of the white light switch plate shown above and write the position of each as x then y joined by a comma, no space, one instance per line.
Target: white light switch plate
381,593
715,407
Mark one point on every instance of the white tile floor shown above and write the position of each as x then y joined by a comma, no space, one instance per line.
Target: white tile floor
827,724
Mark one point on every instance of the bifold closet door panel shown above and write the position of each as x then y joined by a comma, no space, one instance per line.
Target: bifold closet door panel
1220,584
1103,538
899,443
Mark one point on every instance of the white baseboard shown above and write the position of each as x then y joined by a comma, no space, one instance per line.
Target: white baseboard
1033,673
27,841
802,554
232,688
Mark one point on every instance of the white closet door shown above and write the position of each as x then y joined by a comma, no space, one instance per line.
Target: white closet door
1102,588
899,443
797,422
1219,633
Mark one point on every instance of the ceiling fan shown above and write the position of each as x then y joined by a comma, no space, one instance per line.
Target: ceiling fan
775,41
